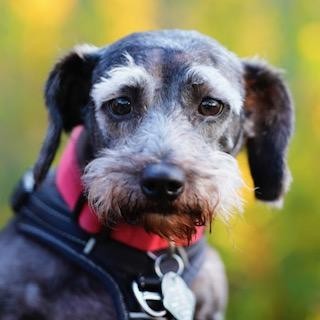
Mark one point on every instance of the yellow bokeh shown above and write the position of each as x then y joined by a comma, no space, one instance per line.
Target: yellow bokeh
316,120
44,13
41,22
124,17
254,247
259,34
247,190
309,41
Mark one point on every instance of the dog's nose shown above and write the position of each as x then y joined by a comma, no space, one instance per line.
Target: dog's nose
162,181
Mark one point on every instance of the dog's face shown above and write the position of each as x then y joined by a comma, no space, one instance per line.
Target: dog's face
165,113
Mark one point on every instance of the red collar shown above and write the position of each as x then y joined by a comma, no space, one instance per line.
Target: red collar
68,181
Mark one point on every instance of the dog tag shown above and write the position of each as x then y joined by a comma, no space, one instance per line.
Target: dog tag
178,299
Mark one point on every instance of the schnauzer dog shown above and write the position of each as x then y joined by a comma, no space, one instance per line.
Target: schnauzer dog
116,231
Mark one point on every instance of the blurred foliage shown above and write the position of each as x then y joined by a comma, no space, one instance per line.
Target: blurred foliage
272,258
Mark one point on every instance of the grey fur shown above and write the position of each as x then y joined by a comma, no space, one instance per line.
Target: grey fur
165,126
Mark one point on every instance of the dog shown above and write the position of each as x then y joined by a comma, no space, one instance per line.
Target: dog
157,119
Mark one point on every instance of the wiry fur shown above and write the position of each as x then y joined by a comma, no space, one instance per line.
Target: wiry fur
212,186
212,178
123,75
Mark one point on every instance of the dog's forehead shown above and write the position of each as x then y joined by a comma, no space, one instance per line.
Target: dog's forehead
171,52
166,63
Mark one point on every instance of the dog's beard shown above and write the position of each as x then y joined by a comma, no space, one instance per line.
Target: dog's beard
174,227
172,221
211,189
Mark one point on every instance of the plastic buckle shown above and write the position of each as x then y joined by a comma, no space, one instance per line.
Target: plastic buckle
144,296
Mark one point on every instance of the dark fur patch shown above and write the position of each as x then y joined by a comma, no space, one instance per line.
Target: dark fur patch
66,94
67,88
268,106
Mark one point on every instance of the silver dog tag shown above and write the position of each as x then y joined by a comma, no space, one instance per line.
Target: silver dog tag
178,299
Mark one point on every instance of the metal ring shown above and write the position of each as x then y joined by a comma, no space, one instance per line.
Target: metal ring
159,259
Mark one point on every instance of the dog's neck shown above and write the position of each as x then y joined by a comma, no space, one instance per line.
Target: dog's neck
68,181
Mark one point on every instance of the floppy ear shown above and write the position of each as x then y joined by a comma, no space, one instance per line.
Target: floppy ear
66,94
268,126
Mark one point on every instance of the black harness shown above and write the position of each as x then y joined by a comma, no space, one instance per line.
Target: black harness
131,277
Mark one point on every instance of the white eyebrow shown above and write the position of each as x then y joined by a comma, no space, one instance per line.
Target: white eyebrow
118,77
220,85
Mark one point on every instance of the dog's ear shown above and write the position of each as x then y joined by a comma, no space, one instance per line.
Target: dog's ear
268,127
66,94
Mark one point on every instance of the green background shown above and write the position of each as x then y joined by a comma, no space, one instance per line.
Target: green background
272,257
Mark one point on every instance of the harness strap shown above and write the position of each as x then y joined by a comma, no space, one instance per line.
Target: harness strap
79,259
74,249
44,216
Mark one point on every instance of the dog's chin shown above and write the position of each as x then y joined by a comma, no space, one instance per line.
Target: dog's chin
173,227
176,221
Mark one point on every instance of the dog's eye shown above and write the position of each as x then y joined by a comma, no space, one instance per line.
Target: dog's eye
120,106
210,107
